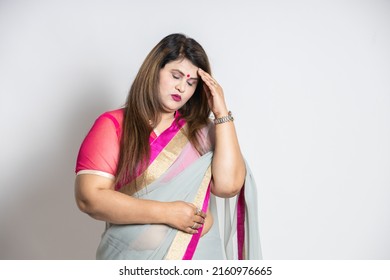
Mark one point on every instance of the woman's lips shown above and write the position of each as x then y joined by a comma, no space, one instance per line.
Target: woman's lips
176,97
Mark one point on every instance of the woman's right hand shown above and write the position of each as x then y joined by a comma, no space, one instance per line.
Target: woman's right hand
184,216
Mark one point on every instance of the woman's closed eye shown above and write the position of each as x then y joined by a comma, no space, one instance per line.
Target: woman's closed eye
176,76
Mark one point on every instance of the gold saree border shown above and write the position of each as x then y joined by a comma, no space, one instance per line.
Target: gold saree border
160,164
182,239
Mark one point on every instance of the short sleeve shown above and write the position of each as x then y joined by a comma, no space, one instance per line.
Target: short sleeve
99,152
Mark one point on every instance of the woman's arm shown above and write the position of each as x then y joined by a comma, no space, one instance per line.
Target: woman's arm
95,195
228,165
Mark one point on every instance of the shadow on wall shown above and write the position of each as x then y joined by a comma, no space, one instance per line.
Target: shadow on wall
43,221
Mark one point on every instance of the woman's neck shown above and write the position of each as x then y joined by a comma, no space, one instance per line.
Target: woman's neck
165,122
167,116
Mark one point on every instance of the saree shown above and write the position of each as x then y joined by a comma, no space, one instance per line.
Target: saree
177,172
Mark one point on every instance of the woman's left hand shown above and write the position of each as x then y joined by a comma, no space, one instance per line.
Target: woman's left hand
215,94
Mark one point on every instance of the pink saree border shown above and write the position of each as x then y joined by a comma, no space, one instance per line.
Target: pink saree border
241,224
158,144
189,253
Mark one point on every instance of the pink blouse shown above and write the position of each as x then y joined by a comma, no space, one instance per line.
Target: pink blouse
99,152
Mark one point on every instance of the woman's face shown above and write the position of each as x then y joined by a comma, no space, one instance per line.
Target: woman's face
178,81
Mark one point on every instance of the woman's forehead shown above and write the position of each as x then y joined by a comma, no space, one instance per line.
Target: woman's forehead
184,65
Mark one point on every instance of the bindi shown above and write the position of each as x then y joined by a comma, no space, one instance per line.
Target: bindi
188,75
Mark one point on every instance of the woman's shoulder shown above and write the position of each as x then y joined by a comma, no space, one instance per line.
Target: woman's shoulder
117,114
112,118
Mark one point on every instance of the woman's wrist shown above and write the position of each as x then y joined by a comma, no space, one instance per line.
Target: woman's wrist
224,118
221,114
158,213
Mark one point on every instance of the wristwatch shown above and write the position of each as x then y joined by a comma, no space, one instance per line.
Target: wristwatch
228,118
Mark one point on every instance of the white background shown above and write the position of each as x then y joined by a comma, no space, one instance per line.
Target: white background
307,81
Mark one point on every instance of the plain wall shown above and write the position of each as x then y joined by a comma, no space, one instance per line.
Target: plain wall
308,83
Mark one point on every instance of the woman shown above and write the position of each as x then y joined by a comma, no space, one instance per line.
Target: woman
151,169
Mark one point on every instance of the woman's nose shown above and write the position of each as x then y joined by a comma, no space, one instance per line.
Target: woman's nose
180,86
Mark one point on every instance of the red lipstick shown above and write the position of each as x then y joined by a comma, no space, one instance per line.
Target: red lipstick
176,97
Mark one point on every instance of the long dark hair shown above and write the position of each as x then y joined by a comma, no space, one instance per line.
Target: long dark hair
143,106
